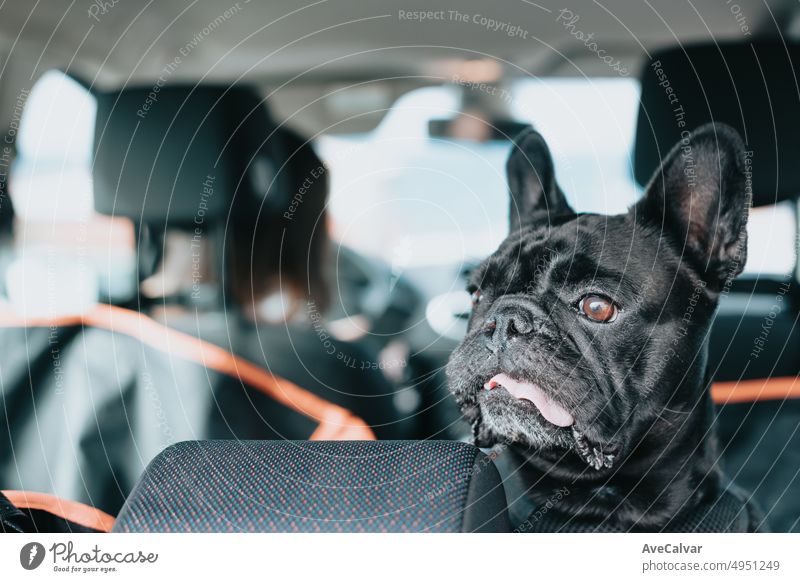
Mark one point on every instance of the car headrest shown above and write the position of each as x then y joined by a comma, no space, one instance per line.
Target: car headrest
323,486
31,278
750,86
175,155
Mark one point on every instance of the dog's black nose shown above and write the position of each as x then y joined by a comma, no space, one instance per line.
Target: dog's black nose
505,323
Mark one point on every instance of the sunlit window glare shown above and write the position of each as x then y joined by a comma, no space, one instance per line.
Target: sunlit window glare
399,191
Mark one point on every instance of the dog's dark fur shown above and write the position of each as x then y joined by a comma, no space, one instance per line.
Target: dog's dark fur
641,448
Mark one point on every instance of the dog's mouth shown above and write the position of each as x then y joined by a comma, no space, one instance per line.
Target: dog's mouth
532,398
552,412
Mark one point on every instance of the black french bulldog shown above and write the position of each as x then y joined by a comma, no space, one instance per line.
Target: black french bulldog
585,350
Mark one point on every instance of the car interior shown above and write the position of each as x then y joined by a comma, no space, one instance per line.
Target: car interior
235,241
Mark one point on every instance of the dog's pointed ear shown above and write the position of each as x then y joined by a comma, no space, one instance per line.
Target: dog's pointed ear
700,195
532,179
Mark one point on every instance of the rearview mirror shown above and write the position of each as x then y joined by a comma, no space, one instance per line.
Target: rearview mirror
475,128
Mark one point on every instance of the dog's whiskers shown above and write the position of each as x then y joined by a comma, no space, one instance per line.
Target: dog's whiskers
661,417
675,411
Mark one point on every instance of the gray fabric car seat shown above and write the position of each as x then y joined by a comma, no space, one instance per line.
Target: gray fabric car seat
302,486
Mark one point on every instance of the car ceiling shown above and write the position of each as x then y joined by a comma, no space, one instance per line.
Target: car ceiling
299,50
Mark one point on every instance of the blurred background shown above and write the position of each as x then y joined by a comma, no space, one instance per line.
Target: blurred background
306,187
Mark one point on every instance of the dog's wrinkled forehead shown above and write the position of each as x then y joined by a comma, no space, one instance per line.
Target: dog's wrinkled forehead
571,249
694,208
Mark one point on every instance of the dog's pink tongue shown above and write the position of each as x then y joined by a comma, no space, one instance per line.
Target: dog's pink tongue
554,413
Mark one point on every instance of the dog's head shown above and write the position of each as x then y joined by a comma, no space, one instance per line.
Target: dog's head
585,328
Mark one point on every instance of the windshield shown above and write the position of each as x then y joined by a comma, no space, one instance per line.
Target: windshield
52,192
400,194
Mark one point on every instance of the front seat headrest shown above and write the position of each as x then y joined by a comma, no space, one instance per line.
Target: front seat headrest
750,86
175,155
321,486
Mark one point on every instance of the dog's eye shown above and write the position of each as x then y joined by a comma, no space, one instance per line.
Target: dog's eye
598,308
476,296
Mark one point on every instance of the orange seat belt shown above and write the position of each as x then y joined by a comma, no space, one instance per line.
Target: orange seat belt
334,422
83,515
761,389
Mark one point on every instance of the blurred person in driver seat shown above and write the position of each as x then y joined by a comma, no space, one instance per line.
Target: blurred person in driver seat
279,255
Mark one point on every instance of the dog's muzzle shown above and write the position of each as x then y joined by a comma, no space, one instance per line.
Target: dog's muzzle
505,322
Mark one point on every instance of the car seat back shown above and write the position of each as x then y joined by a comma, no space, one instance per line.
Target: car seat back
300,486
87,401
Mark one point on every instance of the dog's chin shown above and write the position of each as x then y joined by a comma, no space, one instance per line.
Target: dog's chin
506,419
509,411
513,409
